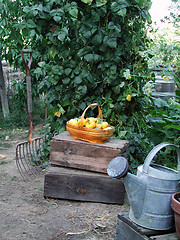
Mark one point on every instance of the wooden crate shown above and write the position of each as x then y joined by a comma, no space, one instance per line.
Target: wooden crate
72,184
72,153
127,230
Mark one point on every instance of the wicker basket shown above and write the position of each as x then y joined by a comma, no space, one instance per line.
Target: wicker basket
88,134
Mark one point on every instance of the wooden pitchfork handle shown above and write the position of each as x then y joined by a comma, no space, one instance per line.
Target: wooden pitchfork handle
29,94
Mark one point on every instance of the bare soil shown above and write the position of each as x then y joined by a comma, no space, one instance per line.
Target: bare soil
26,215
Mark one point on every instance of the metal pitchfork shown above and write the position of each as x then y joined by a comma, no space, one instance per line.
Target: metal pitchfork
30,157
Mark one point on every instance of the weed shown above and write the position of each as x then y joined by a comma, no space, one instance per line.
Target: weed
3,162
13,178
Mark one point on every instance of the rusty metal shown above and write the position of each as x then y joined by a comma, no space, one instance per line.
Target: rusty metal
30,156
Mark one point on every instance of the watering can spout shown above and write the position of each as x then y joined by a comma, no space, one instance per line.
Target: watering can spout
135,189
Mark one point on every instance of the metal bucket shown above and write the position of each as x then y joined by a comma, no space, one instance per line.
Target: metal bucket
152,206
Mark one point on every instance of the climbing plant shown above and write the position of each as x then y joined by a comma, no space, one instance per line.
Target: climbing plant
89,51
86,51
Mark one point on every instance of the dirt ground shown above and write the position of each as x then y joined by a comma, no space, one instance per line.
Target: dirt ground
26,215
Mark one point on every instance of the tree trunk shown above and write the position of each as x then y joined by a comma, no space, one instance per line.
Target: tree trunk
3,94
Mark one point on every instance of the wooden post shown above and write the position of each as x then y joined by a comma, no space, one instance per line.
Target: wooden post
3,94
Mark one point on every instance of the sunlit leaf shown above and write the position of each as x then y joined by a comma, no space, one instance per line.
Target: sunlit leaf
100,3
87,1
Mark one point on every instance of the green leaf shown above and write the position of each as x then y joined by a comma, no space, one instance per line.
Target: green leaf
122,12
112,43
100,3
61,109
82,106
57,12
119,7
87,1
149,19
27,9
67,71
66,81
141,3
52,52
41,64
95,18
76,70
92,57
90,78
31,24
173,126
122,85
96,57
122,134
145,14
111,25
87,34
89,57
66,101
116,89
84,51
97,39
39,7
160,103
82,89
84,73
63,33
74,12
54,81
78,80
38,71
57,18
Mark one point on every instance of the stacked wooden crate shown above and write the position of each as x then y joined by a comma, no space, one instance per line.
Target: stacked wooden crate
77,170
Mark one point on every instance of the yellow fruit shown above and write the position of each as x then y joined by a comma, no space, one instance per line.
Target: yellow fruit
98,126
84,121
104,124
128,97
90,124
73,121
96,121
91,119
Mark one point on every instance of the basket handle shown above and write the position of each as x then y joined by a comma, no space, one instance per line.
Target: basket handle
91,105
155,150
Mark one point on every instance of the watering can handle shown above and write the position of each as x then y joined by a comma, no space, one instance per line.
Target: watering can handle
155,150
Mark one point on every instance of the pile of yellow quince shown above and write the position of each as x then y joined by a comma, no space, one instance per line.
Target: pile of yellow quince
90,122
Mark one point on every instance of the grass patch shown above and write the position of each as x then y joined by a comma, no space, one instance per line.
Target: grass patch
18,117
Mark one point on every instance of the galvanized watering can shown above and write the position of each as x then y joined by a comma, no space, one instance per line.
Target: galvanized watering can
150,191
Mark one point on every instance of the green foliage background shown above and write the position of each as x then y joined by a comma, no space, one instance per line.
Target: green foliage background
82,51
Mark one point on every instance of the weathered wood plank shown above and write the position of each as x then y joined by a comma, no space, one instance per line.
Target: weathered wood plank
67,183
73,153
